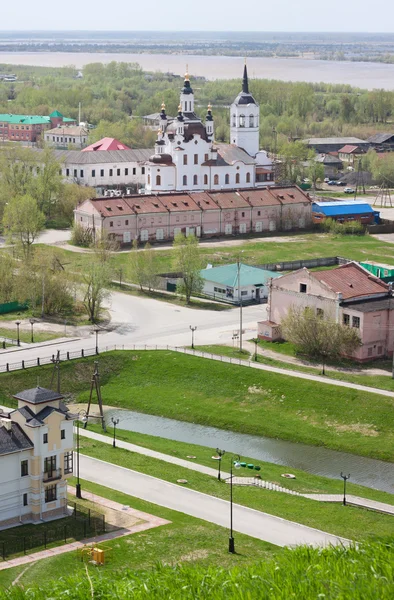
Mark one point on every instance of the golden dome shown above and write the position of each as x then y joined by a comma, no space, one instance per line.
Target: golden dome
163,106
179,108
209,106
187,76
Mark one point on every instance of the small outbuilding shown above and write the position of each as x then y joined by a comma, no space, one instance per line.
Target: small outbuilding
235,282
344,211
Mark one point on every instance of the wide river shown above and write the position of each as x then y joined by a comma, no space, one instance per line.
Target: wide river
358,74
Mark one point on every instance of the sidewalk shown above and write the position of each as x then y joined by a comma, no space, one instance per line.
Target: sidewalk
148,522
152,453
338,498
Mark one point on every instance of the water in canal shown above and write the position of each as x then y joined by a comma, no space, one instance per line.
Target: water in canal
320,461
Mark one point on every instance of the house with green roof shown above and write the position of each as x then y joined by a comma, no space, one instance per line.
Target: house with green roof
236,282
28,128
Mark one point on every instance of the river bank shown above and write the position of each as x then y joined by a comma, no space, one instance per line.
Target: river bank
358,74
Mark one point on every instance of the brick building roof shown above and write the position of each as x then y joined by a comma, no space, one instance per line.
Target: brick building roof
352,281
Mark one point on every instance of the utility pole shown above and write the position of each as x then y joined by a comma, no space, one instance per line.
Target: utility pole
240,304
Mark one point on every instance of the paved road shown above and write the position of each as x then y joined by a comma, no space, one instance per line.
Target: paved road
246,520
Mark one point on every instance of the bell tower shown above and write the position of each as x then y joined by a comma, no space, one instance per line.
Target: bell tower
244,119
187,95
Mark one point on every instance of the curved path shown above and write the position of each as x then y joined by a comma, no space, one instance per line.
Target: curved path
214,510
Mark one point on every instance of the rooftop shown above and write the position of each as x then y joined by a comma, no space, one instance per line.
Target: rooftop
13,439
335,140
67,130
38,395
380,138
228,275
342,208
352,281
106,144
348,149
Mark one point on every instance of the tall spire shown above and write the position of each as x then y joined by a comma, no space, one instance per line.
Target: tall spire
245,82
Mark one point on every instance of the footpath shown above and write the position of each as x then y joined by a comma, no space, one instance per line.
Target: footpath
257,482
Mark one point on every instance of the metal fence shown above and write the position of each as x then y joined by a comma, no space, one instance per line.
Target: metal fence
79,523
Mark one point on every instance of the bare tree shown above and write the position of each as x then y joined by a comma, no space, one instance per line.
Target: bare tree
96,278
317,336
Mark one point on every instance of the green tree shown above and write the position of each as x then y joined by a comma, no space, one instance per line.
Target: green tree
188,262
23,221
48,183
318,336
315,170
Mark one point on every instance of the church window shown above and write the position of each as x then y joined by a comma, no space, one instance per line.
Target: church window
158,180
251,121
196,159
206,157
242,120
184,178
148,179
216,180
237,178
142,170
185,159
205,179
234,121
247,177
227,179
195,180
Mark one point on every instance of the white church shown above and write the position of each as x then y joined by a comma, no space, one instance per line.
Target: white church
187,158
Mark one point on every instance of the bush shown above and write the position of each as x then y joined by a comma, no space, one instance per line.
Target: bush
81,236
349,227
58,223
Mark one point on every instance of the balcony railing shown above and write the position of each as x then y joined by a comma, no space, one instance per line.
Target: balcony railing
52,475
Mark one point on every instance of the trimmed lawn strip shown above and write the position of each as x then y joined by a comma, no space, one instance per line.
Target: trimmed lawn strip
170,298
226,396
353,523
185,539
25,335
382,382
305,482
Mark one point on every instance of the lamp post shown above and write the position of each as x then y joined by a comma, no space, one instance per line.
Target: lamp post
82,414
32,324
255,349
235,461
345,478
218,457
96,331
240,302
115,422
193,329
18,341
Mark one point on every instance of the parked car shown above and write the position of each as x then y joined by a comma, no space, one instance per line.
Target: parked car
348,190
340,183
326,180
332,182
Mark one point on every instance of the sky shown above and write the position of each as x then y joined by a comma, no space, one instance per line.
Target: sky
212,15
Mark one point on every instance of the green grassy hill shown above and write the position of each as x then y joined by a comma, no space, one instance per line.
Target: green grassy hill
364,573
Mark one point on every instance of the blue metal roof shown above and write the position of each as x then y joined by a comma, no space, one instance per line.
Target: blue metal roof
342,208
228,275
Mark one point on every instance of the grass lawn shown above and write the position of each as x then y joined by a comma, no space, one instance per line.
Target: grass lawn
227,396
171,298
302,245
349,522
25,336
184,540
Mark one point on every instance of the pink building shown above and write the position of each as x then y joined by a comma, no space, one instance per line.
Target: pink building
159,217
347,294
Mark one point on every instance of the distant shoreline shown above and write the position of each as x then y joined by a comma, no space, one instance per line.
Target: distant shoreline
356,74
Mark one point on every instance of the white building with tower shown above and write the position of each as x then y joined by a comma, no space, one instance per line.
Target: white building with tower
187,158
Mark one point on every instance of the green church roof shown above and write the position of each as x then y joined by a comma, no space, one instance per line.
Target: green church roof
24,119
56,113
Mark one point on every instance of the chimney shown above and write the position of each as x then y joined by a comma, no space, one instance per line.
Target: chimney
5,422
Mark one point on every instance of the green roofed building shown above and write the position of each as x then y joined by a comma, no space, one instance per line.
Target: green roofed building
28,128
231,282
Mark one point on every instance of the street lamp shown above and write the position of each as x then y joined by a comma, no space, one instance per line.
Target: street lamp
240,302
82,413
193,329
32,321
218,457
115,422
345,478
18,341
235,461
96,331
